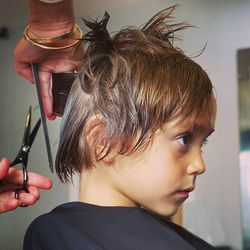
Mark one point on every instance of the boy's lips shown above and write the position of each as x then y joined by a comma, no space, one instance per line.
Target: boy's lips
188,190
185,192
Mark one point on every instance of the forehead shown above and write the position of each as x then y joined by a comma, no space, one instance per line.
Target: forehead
200,125
202,119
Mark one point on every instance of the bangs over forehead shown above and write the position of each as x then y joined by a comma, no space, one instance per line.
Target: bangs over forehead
175,87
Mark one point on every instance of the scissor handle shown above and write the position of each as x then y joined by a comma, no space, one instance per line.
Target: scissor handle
24,185
18,191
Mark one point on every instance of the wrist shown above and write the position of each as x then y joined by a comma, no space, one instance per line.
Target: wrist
64,41
51,19
51,1
43,29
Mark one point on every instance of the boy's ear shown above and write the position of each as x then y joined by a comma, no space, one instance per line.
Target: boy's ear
96,136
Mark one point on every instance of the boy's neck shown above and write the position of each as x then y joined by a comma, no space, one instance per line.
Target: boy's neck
97,189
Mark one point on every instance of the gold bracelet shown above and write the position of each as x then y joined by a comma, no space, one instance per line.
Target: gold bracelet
45,41
51,47
51,1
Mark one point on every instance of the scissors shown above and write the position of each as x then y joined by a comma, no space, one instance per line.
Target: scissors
22,155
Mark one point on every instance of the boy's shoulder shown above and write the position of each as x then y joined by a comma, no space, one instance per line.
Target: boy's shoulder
56,230
76,224
57,217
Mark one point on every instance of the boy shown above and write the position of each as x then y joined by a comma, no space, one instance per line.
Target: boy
134,125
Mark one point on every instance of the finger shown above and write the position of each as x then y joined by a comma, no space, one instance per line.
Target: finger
46,92
29,198
4,167
21,63
26,72
6,190
8,205
39,181
15,176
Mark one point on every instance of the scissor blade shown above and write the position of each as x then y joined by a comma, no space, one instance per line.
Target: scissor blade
34,132
43,118
27,128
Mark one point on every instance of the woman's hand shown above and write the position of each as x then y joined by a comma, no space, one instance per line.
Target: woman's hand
12,179
48,61
48,21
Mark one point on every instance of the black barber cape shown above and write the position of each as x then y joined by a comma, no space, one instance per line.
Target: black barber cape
78,225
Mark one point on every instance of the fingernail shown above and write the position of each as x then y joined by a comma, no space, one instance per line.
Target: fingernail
2,160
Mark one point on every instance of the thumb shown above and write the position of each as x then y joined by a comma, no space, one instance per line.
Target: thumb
4,167
26,72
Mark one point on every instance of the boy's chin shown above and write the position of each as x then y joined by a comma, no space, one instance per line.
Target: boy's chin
164,212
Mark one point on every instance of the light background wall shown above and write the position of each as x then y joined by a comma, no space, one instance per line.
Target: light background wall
213,211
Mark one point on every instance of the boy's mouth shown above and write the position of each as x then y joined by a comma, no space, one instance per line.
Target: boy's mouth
185,192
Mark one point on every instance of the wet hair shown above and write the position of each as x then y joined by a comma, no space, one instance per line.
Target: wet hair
131,83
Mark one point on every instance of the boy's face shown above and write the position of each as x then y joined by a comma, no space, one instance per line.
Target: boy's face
161,177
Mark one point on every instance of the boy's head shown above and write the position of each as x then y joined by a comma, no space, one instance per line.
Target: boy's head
130,86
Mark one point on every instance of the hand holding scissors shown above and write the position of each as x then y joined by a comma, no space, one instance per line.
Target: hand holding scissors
25,186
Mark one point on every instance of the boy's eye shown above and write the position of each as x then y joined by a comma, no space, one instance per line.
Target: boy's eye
184,139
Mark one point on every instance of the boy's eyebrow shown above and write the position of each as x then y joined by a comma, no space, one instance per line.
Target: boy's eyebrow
202,128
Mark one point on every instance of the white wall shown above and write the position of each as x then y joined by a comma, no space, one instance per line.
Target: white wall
213,211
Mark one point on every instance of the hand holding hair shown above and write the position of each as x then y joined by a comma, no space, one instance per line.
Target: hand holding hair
52,25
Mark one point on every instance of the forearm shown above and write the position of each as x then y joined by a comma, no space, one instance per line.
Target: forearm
46,20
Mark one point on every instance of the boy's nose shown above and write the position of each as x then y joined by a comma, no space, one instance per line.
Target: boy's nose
196,164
